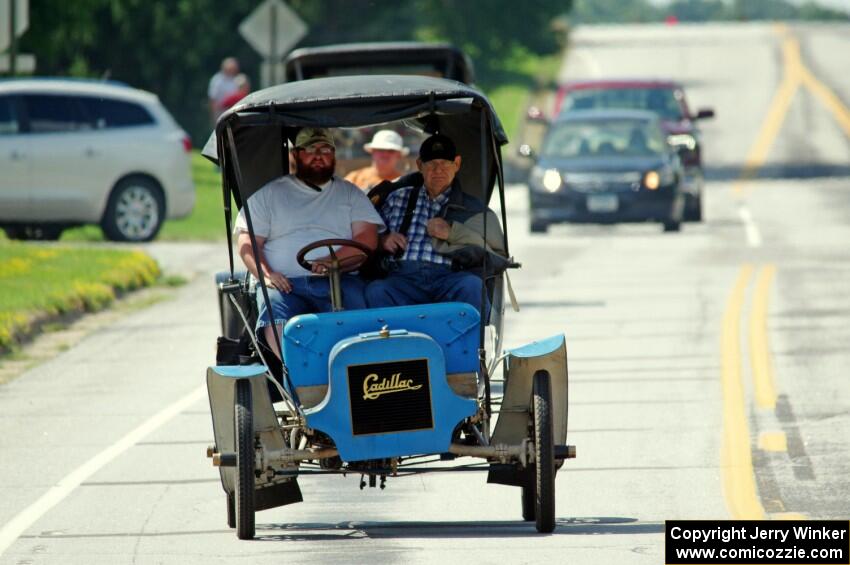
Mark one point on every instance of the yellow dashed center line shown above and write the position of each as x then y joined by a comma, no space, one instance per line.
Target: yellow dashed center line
773,441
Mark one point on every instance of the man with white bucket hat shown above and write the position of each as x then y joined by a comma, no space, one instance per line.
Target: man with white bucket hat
387,150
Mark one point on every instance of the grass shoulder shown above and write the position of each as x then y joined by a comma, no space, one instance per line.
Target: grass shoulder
40,285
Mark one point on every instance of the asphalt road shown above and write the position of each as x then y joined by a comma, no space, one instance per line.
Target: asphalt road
707,367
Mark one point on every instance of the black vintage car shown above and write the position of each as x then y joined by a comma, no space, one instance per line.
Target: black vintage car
605,166
389,57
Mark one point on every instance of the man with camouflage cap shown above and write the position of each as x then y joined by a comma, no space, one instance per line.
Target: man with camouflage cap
293,211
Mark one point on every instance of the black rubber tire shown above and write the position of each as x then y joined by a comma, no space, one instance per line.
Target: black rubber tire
538,226
243,427
36,232
528,502
143,192
693,212
231,511
544,453
672,226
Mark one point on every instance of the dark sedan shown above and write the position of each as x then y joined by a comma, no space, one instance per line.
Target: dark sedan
667,100
606,166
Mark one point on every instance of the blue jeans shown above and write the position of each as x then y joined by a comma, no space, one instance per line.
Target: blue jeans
423,282
309,295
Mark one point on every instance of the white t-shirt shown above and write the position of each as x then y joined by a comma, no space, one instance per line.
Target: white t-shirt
290,214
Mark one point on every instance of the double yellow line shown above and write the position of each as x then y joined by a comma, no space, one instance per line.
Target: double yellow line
739,482
736,454
796,74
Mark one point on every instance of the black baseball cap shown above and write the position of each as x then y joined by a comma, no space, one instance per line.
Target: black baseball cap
437,146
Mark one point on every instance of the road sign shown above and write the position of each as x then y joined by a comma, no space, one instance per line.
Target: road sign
22,20
24,63
272,29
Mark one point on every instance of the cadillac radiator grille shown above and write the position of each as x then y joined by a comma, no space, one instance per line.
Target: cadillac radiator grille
390,397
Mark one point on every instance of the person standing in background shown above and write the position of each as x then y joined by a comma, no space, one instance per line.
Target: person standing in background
222,84
243,88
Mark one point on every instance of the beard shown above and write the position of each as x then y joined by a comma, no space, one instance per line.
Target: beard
315,171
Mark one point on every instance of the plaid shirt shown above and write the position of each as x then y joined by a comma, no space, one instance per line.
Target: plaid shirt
419,246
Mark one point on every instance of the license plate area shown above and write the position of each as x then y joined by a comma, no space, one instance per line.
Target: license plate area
390,397
602,203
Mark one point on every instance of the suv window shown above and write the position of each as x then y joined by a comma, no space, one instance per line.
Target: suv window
55,113
108,113
8,116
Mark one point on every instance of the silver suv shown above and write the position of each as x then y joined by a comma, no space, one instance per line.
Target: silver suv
78,152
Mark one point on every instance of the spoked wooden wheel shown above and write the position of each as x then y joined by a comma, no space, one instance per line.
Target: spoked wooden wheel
544,455
243,427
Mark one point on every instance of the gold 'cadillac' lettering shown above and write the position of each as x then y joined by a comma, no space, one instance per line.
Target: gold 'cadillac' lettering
374,386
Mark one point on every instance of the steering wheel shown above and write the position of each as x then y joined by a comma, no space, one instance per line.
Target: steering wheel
344,264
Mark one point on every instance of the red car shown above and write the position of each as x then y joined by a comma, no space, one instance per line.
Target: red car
663,97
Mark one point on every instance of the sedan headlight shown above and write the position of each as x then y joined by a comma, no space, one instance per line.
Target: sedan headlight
552,180
651,180
654,179
548,180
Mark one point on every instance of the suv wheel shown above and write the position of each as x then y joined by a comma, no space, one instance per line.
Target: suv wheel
135,210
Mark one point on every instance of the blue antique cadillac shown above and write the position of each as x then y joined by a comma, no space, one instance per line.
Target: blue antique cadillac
378,392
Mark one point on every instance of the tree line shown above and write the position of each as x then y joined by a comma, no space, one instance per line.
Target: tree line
173,47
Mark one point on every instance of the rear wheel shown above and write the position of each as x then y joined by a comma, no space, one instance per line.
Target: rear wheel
693,212
41,232
544,454
135,210
243,423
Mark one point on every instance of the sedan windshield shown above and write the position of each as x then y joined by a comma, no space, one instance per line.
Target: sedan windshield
603,138
661,101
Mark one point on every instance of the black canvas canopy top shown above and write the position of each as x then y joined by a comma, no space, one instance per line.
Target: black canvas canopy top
260,127
403,57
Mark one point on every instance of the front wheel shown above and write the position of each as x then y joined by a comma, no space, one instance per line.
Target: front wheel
544,454
538,226
243,424
672,226
135,210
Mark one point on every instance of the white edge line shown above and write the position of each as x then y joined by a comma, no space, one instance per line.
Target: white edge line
750,227
26,518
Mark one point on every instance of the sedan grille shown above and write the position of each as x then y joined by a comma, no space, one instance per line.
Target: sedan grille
390,397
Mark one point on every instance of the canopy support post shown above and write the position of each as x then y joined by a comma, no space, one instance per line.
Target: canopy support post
237,170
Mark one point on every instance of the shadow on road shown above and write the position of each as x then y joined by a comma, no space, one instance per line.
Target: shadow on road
780,171
476,529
